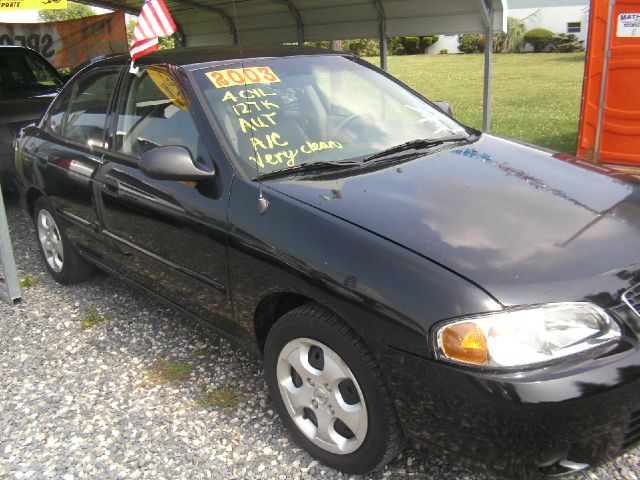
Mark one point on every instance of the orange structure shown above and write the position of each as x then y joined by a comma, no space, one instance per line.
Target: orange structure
610,116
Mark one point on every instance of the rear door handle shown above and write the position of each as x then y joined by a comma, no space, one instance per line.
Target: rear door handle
111,185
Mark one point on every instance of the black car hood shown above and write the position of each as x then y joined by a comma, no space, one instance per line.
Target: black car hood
22,107
525,225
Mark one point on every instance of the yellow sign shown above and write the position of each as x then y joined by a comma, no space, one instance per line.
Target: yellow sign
168,87
238,76
33,4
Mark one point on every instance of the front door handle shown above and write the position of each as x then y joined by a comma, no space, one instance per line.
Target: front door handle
111,185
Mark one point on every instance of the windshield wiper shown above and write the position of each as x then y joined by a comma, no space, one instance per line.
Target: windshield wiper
307,168
417,144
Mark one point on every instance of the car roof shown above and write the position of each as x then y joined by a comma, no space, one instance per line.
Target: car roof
17,47
189,56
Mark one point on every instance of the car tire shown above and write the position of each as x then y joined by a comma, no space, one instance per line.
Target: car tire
319,372
63,262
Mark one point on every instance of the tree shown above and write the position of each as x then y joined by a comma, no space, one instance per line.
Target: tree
538,38
514,41
73,11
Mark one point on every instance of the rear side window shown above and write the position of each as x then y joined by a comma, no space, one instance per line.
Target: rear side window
153,113
87,114
55,121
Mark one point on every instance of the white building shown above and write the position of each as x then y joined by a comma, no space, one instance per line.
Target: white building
559,16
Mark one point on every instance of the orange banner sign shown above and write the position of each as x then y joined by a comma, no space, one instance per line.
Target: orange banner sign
72,42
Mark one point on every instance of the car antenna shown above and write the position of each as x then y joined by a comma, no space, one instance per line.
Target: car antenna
263,203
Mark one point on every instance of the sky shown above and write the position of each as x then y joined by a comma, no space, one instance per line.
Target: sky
30,16
19,16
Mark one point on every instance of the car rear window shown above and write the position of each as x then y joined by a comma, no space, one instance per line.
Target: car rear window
23,69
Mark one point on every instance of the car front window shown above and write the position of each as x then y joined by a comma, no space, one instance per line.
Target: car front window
284,112
154,113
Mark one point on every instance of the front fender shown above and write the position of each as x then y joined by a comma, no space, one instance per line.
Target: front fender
386,293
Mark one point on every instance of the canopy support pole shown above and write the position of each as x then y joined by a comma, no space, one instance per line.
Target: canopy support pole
9,285
487,17
383,51
382,18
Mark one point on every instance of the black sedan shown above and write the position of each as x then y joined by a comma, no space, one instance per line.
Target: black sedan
400,275
28,83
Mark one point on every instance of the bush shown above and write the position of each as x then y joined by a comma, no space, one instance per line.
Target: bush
443,51
319,44
539,38
471,43
363,47
566,42
428,40
411,45
499,40
398,50
568,48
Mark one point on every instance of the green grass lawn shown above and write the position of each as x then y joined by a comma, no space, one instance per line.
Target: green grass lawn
536,96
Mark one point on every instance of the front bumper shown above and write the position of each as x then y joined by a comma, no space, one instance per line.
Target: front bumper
526,424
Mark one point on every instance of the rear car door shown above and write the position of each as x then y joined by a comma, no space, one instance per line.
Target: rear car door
168,236
69,151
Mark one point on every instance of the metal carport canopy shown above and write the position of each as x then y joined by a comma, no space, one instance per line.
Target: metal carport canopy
223,22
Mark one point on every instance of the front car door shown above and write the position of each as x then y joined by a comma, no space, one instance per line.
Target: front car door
168,236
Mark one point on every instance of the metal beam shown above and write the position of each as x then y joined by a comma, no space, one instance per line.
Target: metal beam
487,19
218,11
297,16
111,6
485,12
9,285
382,19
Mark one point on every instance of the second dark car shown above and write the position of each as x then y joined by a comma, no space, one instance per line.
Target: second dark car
28,83
400,274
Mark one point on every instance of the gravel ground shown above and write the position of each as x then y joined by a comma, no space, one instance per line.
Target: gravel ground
126,396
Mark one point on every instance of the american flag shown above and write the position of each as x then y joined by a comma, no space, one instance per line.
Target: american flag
154,21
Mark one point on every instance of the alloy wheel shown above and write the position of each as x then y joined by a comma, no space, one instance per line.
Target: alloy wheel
50,241
322,396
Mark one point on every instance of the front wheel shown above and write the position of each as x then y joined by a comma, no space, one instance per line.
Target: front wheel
330,392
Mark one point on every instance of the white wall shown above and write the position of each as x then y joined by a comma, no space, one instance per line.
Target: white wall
554,18
450,42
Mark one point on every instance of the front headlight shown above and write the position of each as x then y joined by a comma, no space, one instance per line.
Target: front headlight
525,336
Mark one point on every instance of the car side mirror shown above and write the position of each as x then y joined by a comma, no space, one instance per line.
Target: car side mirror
172,162
444,106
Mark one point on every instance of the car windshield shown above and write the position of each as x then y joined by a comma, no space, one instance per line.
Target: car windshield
281,113
24,70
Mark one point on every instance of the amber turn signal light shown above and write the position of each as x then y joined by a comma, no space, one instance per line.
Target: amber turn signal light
465,342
